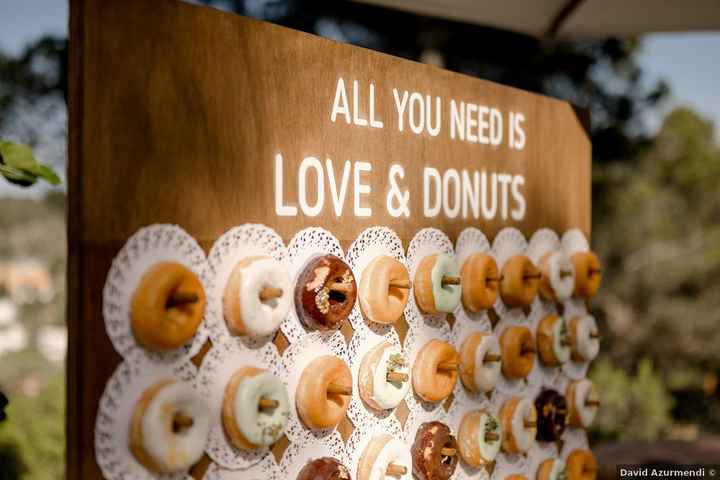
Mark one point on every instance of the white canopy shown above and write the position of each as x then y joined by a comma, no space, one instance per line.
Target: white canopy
574,18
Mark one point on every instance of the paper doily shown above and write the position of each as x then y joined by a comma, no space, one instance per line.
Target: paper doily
298,454
148,246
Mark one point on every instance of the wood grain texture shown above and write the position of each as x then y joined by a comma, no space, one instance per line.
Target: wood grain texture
176,114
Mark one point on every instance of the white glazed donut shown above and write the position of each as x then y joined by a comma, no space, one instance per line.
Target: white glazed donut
483,375
157,439
583,346
558,273
375,388
245,311
514,414
578,394
379,454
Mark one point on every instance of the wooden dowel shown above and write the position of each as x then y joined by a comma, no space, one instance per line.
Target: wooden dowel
565,273
340,287
565,342
181,421
335,389
595,271
525,349
396,470
529,276
447,280
594,335
491,436
269,293
405,284
397,377
182,298
493,316
493,279
490,466
529,424
492,357
592,403
267,404
447,366
448,452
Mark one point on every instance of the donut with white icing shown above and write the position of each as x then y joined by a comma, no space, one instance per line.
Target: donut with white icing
519,423
383,457
583,399
257,297
255,408
558,276
437,284
552,469
384,290
479,438
584,338
480,362
384,377
553,342
169,427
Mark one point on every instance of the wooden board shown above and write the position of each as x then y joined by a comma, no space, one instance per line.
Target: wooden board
178,113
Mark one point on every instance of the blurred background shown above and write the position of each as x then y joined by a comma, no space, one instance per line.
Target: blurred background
654,100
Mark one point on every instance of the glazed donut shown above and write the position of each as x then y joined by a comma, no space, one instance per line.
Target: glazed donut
520,281
435,371
324,468
583,401
588,274
323,392
480,279
552,412
169,427
581,465
434,453
558,276
257,297
551,469
384,377
167,307
518,351
384,457
479,438
255,408
553,344
480,362
437,284
519,423
584,338
384,290
325,293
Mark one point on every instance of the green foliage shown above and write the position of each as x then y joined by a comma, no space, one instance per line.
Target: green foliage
19,166
633,407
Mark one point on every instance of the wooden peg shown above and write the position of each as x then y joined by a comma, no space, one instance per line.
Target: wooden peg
397,377
529,424
396,470
182,298
530,276
525,349
448,452
447,366
335,389
592,402
266,404
594,335
404,284
566,273
181,422
494,279
493,316
270,293
492,357
491,436
595,271
447,280
340,287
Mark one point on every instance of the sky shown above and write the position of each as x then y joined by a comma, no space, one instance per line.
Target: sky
689,62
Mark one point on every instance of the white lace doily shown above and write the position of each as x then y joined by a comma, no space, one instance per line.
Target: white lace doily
298,454
219,365
574,241
265,470
371,243
148,246
294,360
305,245
112,423
361,437
241,242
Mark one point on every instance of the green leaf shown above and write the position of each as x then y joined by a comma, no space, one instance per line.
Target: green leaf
18,165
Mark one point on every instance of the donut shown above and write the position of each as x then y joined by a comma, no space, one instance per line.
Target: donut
384,290
581,465
323,393
167,307
480,362
479,438
384,377
553,344
383,457
434,373
480,279
437,284
518,351
588,274
558,276
551,469
552,413
516,476
583,399
519,282
325,293
584,338
169,427
434,453
257,297
324,468
255,408
518,418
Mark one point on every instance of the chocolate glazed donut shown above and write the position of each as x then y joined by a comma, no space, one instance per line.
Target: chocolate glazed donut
552,413
324,468
325,293
434,452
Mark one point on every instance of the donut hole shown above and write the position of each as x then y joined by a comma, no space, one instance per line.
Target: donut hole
181,423
335,297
